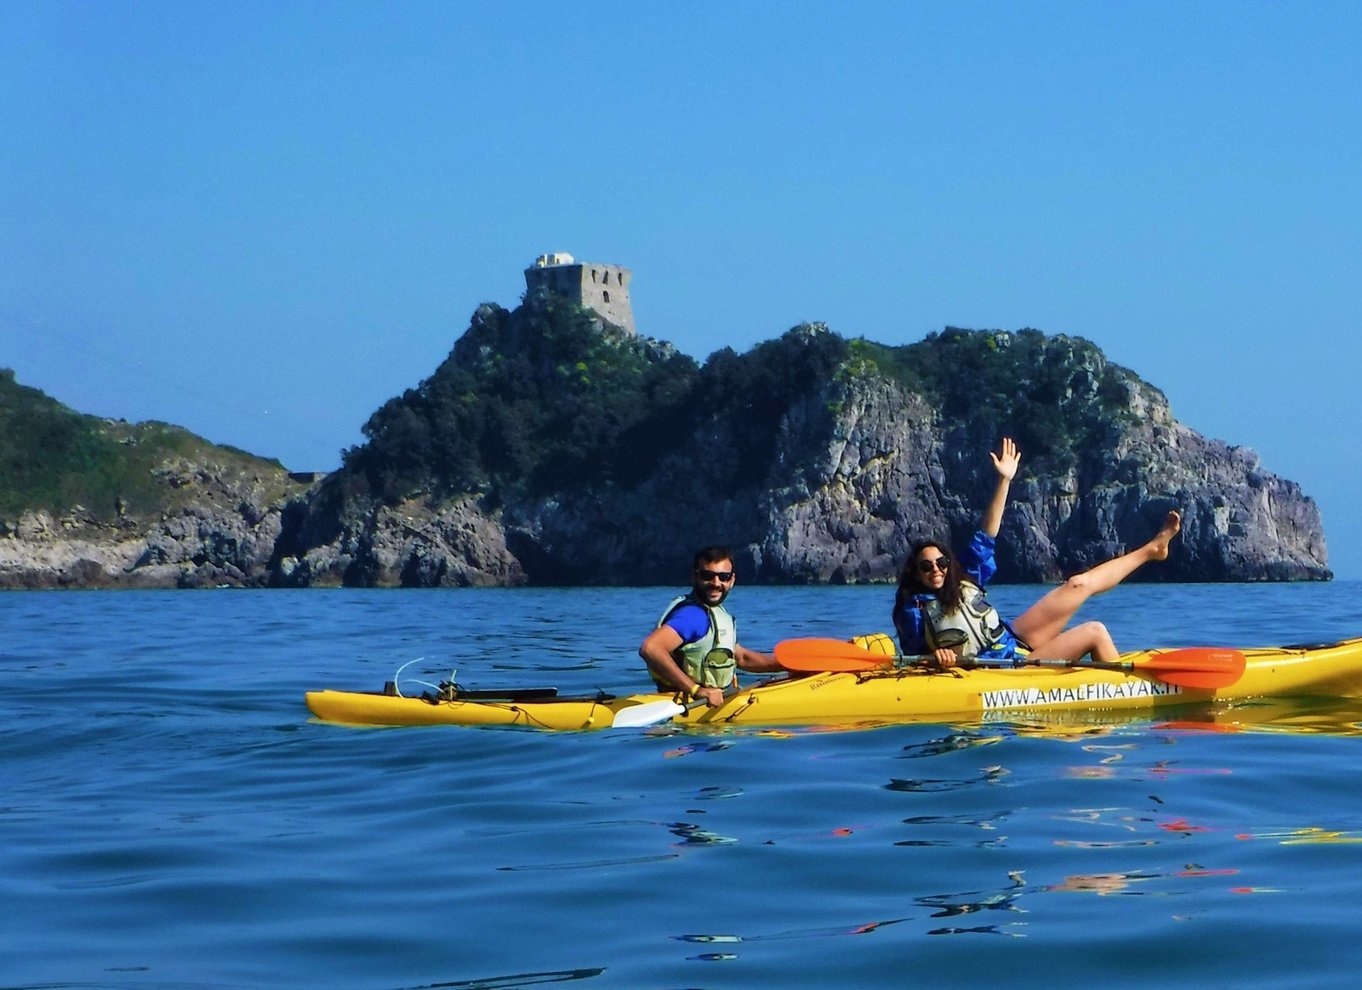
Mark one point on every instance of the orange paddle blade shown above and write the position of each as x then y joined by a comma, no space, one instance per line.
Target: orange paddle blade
1196,667
820,655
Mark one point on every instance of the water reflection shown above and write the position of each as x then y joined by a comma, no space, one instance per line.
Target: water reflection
513,980
689,748
835,931
1098,883
1311,835
986,824
1310,716
952,743
718,793
974,902
987,775
691,834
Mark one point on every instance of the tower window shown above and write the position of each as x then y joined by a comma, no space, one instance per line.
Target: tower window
605,296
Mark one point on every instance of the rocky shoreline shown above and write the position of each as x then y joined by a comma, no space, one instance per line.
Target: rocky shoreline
847,519
859,463
223,535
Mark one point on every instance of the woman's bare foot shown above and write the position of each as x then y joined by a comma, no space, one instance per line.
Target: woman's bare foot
1158,546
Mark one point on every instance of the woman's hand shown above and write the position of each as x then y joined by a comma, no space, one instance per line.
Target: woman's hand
945,658
1006,463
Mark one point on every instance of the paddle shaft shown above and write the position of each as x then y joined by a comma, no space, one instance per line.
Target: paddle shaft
1196,667
901,661
1169,673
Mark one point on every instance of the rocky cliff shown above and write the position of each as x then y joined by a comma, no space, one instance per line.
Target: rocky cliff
551,449
816,459
221,533
87,502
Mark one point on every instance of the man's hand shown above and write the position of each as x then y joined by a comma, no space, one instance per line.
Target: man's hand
713,697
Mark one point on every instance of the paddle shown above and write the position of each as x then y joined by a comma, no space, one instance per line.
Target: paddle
834,655
1194,666
655,712
1197,667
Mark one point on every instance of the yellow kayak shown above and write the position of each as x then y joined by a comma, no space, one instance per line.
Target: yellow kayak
879,695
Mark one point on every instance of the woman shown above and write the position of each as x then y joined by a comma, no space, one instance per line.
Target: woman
940,609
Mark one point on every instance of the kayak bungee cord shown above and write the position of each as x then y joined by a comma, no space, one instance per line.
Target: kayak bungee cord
437,688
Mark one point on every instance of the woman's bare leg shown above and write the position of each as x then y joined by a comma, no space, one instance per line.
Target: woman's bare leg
1045,620
1079,641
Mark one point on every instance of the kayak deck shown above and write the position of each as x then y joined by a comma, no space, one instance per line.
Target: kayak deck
879,695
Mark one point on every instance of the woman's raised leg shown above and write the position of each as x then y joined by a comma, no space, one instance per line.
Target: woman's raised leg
1046,619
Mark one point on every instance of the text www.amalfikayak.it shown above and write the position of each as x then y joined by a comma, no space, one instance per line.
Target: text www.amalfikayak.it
1075,694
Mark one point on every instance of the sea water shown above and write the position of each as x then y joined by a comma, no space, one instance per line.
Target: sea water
170,815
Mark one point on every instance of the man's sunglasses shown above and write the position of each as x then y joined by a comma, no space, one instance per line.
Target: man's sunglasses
940,564
723,576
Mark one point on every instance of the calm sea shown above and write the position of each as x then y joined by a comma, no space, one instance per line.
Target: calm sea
171,817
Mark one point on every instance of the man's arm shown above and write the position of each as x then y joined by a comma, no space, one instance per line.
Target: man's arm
657,651
760,663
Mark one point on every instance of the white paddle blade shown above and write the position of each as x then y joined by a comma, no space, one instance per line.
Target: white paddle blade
651,713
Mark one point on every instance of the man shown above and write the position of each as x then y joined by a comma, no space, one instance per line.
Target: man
695,648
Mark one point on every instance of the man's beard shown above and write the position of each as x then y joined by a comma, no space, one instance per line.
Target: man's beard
703,595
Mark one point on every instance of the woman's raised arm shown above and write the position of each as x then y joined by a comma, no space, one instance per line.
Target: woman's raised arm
1005,463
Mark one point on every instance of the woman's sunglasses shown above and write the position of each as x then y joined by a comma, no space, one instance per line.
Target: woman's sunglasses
940,564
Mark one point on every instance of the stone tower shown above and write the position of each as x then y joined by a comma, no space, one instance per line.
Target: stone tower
603,288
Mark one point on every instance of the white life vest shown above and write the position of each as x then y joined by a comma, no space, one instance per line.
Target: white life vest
975,627
709,661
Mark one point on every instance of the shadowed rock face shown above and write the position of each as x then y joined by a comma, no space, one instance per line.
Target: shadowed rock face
815,459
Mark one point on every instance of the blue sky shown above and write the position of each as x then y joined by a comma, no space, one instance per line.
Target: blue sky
262,220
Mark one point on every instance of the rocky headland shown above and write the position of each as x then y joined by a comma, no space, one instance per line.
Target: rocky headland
551,448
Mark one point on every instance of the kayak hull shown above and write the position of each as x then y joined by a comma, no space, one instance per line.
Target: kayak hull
889,695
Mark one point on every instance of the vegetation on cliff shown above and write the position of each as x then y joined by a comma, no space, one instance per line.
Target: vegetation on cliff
545,399
60,461
535,400
1057,396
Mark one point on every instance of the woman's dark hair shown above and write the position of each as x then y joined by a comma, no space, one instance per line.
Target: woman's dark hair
910,584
